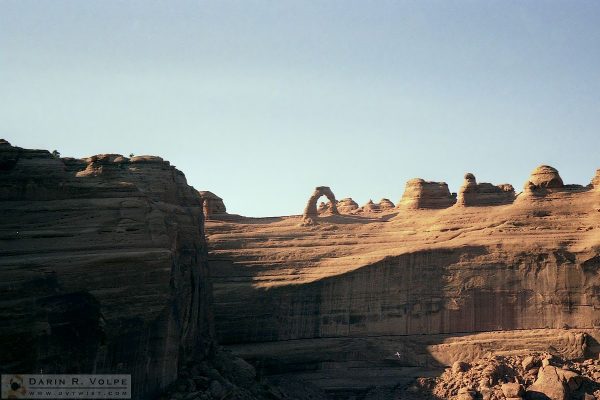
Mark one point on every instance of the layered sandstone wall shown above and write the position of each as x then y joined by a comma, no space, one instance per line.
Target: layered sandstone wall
102,266
472,193
420,194
333,303
439,291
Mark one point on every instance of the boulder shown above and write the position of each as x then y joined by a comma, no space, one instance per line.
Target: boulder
528,363
459,366
549,385
466,394
513,390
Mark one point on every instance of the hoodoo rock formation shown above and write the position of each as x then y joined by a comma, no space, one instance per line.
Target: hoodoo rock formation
420,194
311,212
472,193
102,266
213,204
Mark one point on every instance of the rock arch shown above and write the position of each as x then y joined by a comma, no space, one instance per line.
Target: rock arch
310,211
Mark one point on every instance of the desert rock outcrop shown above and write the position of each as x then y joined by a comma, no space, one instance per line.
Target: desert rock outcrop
413,293
213,204
311,212
423,194
370,207
543,177
386,204
103,267
472,193
596,181
347,206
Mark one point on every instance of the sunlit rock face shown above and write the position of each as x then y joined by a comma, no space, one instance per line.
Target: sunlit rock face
102,266
546,177
347,206
472,193
408,293
421,194
386,204
213,204
596,181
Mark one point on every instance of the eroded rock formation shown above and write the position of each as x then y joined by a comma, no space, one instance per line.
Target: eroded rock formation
213,204
542,178
311,212
102,266
347,206
370,207
423,194
386,204
472,193
596,180
412,294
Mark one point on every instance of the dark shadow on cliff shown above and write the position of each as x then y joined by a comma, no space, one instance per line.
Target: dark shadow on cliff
370,327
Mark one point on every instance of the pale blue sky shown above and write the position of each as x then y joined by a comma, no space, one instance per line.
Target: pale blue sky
261,101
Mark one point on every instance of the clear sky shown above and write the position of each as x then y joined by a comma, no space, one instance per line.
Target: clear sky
261,101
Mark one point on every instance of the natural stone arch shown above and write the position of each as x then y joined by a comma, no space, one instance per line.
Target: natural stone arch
310,211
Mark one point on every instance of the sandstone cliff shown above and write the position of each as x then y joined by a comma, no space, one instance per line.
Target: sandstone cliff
102,266
103,269
334,302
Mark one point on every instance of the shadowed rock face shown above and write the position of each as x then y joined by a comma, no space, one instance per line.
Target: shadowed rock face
102,267
472,193
422,194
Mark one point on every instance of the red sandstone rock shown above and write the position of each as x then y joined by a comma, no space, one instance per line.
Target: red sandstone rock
422,194
311,212
213,204
472,193
544,177
347,206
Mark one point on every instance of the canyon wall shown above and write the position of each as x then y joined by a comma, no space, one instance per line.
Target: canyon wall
438,291
351,302
102,267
